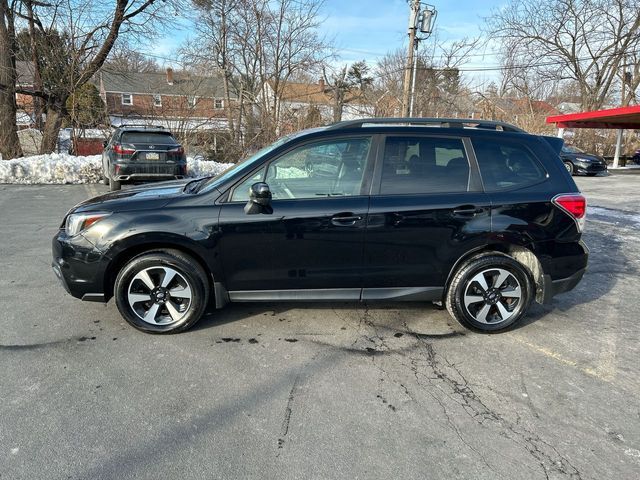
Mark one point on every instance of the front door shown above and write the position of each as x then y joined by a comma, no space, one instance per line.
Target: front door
428,209
311,244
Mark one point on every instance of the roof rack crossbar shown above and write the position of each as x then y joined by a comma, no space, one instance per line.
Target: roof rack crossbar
436,122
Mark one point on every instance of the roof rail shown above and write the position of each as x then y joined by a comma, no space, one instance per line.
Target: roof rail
431,122
139,125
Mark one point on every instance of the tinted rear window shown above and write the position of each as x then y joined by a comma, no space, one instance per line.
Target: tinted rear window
152,138
506,164
424,165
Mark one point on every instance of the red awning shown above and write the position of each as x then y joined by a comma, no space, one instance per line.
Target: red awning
616,118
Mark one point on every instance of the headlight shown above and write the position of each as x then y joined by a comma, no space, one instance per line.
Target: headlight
77,222
585,160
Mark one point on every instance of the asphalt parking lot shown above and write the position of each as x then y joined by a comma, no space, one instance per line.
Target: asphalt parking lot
294,391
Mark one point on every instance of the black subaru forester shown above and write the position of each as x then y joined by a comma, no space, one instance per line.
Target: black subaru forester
478,215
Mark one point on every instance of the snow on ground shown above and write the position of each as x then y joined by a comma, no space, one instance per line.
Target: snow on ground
61,168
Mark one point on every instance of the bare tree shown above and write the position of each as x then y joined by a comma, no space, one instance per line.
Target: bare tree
124,58
347,85
584,41
258,46
9,142
439,84
86,32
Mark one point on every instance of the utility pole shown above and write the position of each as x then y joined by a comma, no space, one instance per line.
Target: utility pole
413,16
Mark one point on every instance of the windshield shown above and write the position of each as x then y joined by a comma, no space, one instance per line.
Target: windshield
247,162
571,149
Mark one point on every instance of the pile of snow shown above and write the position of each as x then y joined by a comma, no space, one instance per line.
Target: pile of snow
51,168
198,167
61,168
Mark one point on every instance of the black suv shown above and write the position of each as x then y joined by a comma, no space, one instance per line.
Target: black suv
478,215
139,153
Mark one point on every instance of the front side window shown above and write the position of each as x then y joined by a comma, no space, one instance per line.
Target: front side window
424,165
333,168
241,192
506,165
127,99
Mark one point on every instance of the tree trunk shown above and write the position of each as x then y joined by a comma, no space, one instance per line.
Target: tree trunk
9,142
55,114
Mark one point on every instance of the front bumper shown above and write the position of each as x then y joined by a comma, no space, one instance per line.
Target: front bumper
583,167
79,266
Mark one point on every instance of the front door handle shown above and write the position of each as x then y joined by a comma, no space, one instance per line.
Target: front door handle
469,210
345,221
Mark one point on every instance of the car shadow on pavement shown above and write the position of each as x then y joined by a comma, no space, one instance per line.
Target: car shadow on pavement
349,313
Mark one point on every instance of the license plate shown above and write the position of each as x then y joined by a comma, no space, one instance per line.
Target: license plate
152,156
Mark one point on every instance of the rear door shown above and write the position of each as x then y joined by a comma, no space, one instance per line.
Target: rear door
427,209
314,238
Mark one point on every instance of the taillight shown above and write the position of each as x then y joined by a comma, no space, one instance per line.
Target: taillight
575,205
179,150
124,149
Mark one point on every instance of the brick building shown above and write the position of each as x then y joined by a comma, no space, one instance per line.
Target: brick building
179,101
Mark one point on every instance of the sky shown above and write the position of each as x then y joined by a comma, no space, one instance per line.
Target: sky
367,29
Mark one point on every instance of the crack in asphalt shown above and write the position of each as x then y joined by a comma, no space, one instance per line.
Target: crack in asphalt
447,374
284,431
545,454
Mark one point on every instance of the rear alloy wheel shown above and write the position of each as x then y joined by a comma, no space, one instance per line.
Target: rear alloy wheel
490,294
569,167
162,292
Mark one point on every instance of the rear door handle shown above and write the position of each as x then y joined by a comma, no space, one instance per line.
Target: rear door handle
345,221
467,210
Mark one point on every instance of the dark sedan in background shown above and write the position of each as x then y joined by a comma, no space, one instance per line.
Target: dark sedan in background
577,161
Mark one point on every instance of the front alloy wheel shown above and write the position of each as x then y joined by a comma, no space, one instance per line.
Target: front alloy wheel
162,291
159,295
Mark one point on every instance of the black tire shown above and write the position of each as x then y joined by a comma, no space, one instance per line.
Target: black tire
188,270
570,168
114,185
489,266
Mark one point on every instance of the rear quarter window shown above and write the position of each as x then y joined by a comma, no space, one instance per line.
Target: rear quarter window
506,165
152,138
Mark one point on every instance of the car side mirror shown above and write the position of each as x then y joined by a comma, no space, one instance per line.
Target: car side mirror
259,199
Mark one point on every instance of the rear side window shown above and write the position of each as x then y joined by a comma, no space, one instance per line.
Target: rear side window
152,138
506,165
424,165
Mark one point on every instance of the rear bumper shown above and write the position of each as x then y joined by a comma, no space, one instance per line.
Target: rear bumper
134,177
563,273
139,171
555,287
